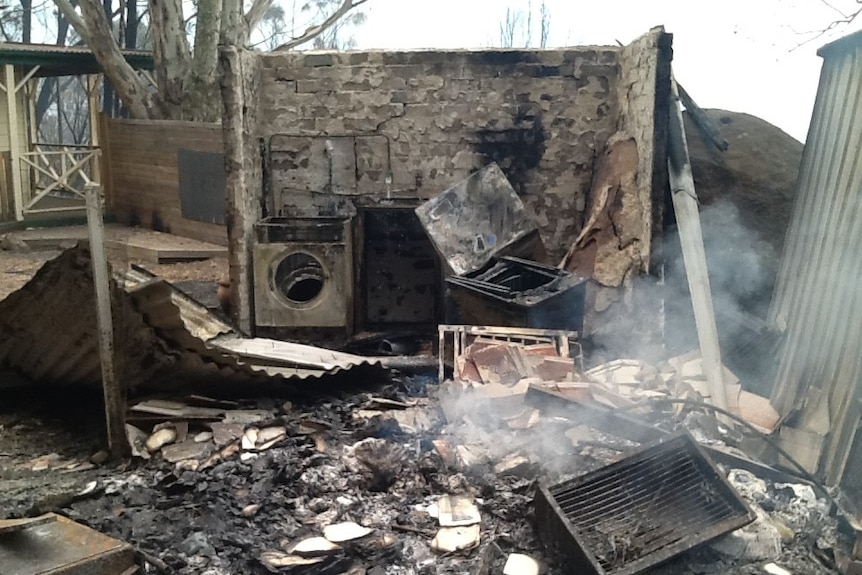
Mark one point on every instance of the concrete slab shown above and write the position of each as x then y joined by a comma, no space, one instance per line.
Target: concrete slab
129,243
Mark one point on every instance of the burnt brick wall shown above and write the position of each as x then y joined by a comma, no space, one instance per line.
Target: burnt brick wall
542,115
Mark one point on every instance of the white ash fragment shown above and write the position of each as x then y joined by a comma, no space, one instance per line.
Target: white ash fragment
247,416
346,531
270,433
184,451
514,464
268,437
457,510
88,489
160,438
757,541
451,539
774,569
137,441
249,438
313,547
250,510
520,564
203,437
188,465
275,560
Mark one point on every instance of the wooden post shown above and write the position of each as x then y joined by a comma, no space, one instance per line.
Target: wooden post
693,254
238,72
112,387
14,141
93,109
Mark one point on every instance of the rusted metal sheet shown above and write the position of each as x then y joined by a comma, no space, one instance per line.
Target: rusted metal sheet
817,300
60,546
48,328
188,325
48,333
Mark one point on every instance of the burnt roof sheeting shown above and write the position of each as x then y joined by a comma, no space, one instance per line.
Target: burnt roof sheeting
817,301
48,333
48,327
56,60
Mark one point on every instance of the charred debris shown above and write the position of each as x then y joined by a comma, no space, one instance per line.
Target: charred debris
506,447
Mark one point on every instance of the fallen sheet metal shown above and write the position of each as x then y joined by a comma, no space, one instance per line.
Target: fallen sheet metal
634,514
48,327
478,218
59,546
160,330
190,326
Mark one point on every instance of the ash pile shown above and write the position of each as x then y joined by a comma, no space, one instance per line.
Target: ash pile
419,478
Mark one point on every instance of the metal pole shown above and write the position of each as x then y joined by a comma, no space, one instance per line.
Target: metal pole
693,254
115,401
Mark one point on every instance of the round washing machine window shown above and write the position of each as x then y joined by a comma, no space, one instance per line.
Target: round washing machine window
300,279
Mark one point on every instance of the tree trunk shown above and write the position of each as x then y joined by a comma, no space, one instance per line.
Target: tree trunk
172,55
93,27
243,174
26,21
43,101
107,90
204,97
131,24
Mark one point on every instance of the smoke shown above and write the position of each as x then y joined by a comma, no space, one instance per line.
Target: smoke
742,267
495,435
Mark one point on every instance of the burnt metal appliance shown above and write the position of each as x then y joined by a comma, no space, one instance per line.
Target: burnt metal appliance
512,291
303,276
478,218
634,514
53,544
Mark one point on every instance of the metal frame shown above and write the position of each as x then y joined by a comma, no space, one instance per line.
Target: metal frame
563,340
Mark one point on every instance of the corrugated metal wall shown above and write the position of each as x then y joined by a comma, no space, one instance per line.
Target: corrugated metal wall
818,294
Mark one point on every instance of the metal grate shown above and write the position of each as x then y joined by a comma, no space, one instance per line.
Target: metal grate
640,511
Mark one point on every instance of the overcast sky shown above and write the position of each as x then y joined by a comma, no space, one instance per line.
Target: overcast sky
733,54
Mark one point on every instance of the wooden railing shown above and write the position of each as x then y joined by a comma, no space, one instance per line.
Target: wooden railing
58,170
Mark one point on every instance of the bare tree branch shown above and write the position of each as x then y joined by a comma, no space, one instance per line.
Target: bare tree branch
72,17
92,25
316,31
256,13
847,19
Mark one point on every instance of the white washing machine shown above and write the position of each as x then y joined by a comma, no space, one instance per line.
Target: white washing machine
303,273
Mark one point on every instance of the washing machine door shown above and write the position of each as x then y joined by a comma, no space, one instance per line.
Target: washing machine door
300,285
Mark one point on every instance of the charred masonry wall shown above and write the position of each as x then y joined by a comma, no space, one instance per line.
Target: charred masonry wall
541,115
343,130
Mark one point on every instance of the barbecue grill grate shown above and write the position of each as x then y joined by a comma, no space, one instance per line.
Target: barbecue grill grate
633,514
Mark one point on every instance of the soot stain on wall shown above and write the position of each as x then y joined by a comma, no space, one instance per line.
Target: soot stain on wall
517,150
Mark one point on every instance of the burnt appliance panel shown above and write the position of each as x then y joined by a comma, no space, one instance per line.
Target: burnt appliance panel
632,515
514,292
303,273
478,218
311,176
400,273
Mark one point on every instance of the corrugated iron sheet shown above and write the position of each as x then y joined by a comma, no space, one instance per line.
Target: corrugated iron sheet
21,47
818,295
48,327
48,333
